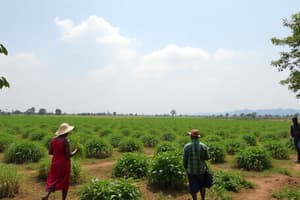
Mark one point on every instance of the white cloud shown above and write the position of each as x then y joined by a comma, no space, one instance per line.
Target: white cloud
222,54
96,25
22,59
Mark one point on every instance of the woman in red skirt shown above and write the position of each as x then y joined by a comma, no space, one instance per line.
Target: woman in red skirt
59,174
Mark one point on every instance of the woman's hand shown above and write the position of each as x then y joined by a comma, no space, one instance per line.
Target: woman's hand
75,151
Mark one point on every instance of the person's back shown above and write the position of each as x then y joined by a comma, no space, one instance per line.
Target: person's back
195,154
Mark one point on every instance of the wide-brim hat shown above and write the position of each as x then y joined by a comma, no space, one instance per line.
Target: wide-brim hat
63,129
194,133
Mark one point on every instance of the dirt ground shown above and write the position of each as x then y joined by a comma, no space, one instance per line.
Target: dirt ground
32,189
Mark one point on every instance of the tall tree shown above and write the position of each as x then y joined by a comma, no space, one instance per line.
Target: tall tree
3,81
290,60
173,112
58,111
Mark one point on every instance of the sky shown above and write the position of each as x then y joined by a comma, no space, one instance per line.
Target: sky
143,57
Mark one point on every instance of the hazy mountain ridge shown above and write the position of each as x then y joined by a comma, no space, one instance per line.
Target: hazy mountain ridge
274,111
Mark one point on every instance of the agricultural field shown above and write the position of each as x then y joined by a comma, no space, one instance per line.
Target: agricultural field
141,157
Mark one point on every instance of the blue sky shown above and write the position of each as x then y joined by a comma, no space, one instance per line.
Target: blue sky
143,56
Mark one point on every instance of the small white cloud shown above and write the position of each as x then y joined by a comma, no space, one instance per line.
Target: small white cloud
93,26
222,54
171,58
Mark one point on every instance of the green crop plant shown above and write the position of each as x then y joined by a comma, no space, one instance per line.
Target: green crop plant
254,158
98,148
9,181
131,165
130,145
216,152
24,151
277,150
116,189
166,170
149,140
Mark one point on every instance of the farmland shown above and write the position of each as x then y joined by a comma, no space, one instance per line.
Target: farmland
104,140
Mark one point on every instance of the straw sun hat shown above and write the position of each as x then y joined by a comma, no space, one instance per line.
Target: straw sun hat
63,129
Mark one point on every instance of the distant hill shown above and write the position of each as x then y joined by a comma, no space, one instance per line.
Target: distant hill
277,111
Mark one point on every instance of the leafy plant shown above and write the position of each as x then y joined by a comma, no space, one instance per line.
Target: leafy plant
250,139
131,165
37,136
130,145
149,140
98,148
254,158
234,146
9,181
168,147
216,152
168,136
115,139
117,189
287,193
231,181
24,151
166,170
5,141
277,150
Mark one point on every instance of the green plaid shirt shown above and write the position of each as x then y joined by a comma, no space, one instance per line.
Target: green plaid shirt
194,155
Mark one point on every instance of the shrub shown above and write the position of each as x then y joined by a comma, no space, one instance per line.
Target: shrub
9,181
75,142
250,139
24,151
117,189
98,148
216,152
166,170
212,138
287,193
131,165
168,136
168,146
47,141
105,133
44,167
37,136
277,150
115,139
254,158
183,141
149,140
231,181
130,145
5,141
234,146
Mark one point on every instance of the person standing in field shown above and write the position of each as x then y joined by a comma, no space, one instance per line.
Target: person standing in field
195,154
295,136
60,169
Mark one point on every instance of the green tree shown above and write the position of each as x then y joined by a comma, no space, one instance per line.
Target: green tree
3,81
173,112
290,60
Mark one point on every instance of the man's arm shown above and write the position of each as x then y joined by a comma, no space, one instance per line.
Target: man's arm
185,158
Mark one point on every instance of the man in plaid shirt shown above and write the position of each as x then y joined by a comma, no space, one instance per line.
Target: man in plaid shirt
195,154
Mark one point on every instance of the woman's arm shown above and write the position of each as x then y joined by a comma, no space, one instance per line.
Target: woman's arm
69,154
